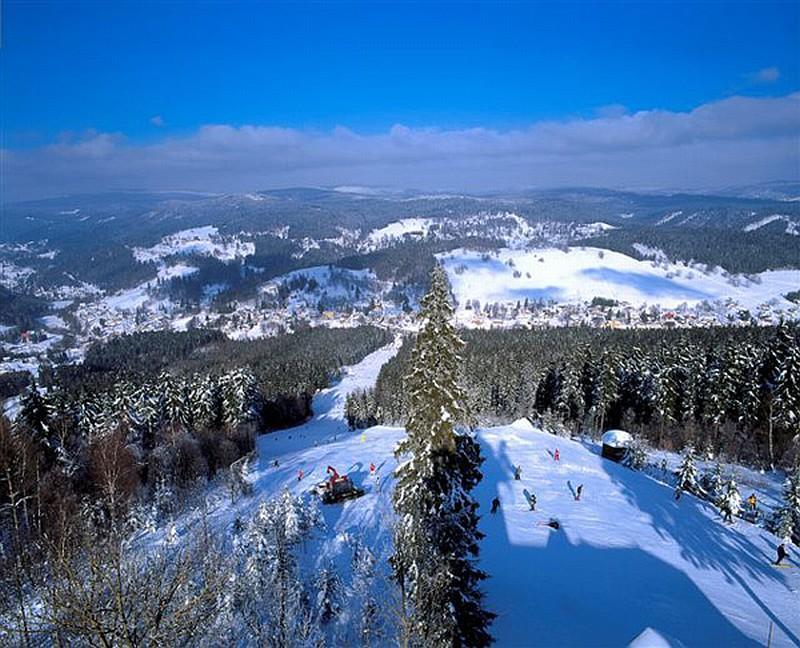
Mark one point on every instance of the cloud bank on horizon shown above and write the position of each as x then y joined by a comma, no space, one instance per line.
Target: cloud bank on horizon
734,140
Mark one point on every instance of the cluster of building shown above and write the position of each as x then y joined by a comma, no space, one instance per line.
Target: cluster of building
622,315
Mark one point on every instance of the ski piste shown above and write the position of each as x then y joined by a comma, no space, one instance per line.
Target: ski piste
670,561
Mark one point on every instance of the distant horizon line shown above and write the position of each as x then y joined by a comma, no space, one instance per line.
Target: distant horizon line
380,191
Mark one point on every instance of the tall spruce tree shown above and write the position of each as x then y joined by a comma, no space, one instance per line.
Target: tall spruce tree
436,538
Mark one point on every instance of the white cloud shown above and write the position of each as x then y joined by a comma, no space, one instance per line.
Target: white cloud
766,75
734,140
157,120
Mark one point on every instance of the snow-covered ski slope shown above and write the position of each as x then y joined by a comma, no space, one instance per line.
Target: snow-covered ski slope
583,273
628,557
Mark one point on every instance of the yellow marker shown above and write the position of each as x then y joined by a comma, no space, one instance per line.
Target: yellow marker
363,437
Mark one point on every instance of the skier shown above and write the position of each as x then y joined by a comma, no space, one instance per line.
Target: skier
371,468
678,492
275,463
300,475
556,456
578,493
495,504
517,472
532,502
782,553
752,502
238,525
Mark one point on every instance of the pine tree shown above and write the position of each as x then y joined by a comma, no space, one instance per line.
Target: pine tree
606,387
717,483
570,395
268,592
687,473
436,538
787,518
635,456
664,395
34,414
368,628
730,503
781,384
787,388
329,594
239,397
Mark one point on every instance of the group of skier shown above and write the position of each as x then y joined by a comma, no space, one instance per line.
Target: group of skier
531,496
752,504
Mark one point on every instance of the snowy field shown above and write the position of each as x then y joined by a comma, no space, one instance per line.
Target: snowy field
399,229
132,298
627,558
203,241
584,273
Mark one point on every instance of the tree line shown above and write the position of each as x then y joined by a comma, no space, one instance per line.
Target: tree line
736,390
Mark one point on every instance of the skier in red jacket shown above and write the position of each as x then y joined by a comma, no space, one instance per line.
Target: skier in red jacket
556,456
371,468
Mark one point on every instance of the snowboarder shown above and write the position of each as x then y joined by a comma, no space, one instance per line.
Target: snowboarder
782,553
578,493
556,455
532,502
517,472
495,504
300,475
552,523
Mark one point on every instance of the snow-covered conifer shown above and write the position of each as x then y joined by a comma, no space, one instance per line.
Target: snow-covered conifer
34,414
570,402
635,456
329,594
436,537
787,518
730,502
687,473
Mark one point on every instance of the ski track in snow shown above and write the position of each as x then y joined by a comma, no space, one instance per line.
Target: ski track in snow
627,559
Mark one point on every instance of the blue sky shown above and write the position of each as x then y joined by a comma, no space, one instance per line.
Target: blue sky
145,74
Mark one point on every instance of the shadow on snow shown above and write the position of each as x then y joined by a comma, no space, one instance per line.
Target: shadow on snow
565,594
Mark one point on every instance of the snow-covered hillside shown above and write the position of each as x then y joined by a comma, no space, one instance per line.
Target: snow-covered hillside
400,229
328,286
203,241
580,274
626,559
792,226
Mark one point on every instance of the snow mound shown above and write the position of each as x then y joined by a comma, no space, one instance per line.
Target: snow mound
649,639
616,438
523,424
